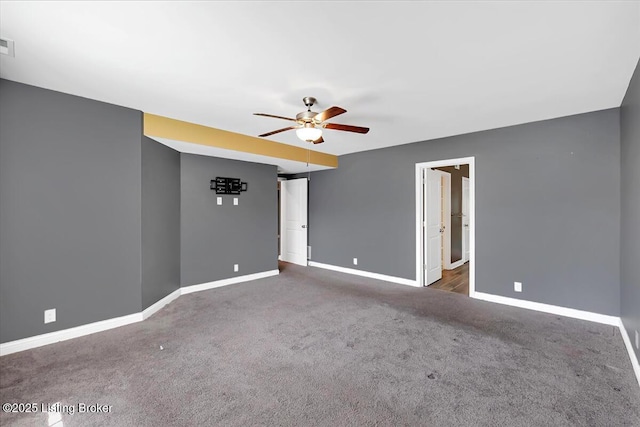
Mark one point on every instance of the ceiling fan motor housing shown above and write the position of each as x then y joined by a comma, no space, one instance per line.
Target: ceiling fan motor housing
306,116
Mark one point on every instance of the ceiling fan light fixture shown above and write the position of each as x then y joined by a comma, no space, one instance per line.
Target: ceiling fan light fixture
309,133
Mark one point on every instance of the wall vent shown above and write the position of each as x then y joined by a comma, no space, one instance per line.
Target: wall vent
6,47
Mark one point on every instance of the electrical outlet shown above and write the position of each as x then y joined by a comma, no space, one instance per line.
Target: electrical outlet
637,341
235,201
355,261
50,315
219,200
6,47
517,286
235,267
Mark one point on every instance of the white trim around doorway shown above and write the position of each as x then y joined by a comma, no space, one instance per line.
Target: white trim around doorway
420,256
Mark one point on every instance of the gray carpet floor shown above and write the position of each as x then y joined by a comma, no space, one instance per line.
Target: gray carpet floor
315,347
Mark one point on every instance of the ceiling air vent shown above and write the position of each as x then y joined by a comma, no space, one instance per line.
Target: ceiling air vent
6,47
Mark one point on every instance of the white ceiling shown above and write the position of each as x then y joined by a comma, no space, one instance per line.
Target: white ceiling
410,71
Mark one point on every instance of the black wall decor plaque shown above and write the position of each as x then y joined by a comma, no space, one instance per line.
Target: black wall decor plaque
228,185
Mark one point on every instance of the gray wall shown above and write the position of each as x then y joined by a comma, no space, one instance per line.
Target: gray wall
161,221
547,209
69,210
456,208
213,237
630,227
76,179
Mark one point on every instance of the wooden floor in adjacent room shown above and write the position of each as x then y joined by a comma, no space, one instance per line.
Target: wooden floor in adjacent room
454,280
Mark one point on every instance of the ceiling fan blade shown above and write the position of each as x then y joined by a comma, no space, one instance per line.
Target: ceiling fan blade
318,141
328,113
348,128
275,117
278,131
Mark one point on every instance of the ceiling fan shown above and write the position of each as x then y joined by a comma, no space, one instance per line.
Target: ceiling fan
310,124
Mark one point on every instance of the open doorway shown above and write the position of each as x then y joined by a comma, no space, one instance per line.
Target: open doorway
293,220
280,179
445,219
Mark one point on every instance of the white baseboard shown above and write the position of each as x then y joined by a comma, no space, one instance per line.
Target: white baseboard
456,264
370,275
229,281
103,325
632,353
547,308
67,334
152,309
569,312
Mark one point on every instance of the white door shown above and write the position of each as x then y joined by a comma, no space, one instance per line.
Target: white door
434,230
465,219
293,227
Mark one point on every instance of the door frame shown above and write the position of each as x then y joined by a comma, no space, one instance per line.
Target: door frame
464,247
283,218
420,202
280,179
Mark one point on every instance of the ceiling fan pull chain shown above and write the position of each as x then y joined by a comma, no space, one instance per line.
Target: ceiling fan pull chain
308,160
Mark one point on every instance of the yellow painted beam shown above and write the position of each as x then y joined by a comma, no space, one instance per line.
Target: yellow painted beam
165,127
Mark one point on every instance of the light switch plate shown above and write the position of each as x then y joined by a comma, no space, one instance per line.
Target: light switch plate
235,201
219,200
